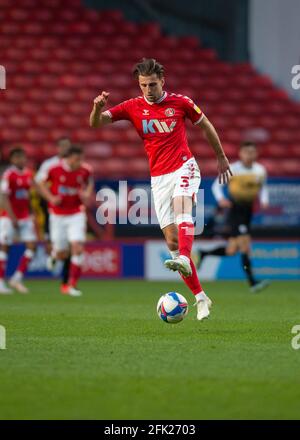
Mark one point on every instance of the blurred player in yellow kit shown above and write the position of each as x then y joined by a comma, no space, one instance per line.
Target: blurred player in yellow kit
248,183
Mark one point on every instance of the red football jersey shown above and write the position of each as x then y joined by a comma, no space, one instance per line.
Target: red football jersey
16,183
67,184
161,125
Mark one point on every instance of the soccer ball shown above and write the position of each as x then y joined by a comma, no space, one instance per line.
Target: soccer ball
172,307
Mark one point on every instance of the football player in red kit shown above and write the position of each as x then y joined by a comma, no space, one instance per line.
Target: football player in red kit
159,118
16,219
71,186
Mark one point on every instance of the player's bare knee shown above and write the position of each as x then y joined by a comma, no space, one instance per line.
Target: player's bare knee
77,248
244,245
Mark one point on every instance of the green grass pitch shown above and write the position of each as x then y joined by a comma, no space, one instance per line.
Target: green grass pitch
106,355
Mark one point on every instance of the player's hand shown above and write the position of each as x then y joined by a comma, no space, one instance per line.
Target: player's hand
55,200
224,170
225,203
101,100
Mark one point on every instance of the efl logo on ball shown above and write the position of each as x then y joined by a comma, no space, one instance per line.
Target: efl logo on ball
172,307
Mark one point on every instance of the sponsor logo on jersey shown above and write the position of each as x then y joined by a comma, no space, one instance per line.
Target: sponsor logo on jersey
197,109
21,194
67,191
156,126
169,112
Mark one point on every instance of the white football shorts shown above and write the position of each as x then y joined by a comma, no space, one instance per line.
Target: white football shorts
183,182
25,231
66,229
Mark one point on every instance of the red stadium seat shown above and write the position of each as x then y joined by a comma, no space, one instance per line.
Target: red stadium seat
57,63
47,81
83,135
63,95
33,28
10,28
49,149
48,42
54,67
35,135
98,150
44,121
273,167
69,15
202,150
56,133
19,120
290,167
14,95
11,135
38,94
295,151
30,67
282,135
114,16
110,168
43,15
273,151
29,107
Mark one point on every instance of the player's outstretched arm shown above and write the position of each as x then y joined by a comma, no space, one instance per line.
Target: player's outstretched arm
97,118
214,140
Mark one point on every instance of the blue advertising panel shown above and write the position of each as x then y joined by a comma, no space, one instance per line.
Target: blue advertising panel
101,260
275,260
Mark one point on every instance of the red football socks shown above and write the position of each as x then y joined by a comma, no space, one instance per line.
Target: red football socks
75,269
185,238
23,265
192,281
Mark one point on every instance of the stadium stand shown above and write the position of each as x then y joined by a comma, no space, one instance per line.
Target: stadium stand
60,56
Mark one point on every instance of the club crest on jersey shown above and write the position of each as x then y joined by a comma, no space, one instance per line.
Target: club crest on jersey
156,126
169,112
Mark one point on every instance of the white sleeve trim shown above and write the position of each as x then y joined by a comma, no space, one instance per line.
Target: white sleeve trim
199,120
108,113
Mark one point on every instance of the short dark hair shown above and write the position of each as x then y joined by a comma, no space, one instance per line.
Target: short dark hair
147,67
16,151
74,149
246,144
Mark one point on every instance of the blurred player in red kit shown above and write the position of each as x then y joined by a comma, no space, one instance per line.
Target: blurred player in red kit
159,118
63,144
71,186
16,219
